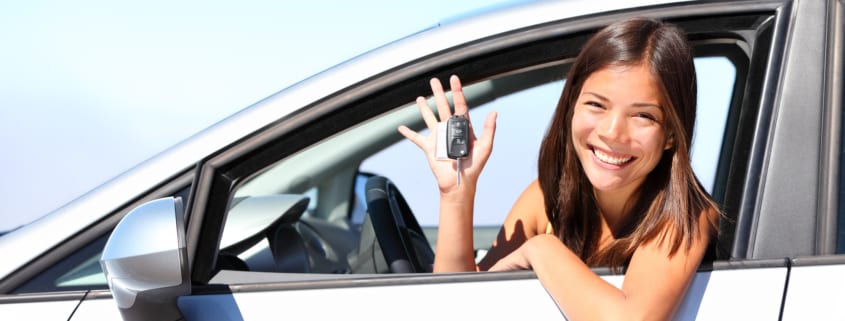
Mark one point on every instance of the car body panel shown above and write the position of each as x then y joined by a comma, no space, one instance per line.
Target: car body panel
815,289
743,294
369,302
103,308
753,292
43,310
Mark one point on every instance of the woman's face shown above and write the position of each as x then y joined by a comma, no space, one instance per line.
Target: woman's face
617,127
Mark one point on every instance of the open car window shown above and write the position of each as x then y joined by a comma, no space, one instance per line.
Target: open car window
304,213
328,174
522,122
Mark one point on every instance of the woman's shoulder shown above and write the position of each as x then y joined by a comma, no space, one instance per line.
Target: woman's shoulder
531,208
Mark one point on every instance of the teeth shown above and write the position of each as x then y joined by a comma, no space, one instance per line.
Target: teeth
610,159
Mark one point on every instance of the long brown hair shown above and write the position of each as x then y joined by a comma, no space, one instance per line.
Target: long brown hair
671,195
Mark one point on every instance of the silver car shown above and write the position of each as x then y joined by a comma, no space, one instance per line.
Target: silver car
292,207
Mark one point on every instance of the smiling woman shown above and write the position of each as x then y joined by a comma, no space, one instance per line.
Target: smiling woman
615,183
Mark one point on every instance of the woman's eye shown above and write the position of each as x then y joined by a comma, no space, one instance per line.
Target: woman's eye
594,104
647,116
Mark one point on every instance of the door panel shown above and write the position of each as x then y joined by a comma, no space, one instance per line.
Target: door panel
732,291
815,289
504,300
45,310
98,305
735,294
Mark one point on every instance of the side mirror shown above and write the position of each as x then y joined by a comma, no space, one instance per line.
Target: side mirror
145,261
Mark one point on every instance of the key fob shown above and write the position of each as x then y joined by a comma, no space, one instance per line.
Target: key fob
457,137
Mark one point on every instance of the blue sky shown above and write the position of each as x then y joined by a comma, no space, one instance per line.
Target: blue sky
90,88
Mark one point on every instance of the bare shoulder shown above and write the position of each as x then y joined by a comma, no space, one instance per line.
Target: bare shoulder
526,219
657,277
530,208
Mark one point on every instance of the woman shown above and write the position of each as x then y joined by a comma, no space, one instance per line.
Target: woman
615,186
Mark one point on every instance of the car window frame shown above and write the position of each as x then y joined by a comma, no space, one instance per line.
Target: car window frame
220,173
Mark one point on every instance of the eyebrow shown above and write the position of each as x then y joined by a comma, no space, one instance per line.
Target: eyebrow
639,104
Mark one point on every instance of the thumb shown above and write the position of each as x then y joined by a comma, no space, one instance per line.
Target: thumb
489,128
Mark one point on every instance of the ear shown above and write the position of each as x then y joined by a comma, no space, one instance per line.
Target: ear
670,142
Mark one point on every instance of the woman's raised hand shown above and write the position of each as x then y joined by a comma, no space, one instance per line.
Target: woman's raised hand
445,170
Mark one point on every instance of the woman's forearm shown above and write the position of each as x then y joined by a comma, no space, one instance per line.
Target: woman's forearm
578,291
455,251
655,282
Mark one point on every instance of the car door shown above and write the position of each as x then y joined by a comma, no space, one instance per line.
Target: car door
301,265
317,152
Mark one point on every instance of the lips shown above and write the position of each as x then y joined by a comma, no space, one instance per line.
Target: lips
616,160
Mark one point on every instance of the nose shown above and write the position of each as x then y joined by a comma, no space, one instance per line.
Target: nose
612,128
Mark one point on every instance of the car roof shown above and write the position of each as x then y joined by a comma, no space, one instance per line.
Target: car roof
57,226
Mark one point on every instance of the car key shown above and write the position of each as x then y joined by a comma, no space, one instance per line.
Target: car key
457,140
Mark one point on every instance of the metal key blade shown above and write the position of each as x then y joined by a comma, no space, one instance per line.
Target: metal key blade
458,172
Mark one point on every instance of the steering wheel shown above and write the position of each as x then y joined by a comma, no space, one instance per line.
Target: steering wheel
402,242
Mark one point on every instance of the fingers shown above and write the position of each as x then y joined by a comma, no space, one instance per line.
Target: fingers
483,147
440,99
413,136
427,114
458,96
489,127
488,130
442,103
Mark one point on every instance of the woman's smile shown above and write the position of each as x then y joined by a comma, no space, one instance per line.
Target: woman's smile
610,158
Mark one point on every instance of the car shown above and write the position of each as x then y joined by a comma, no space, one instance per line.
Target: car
309,204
